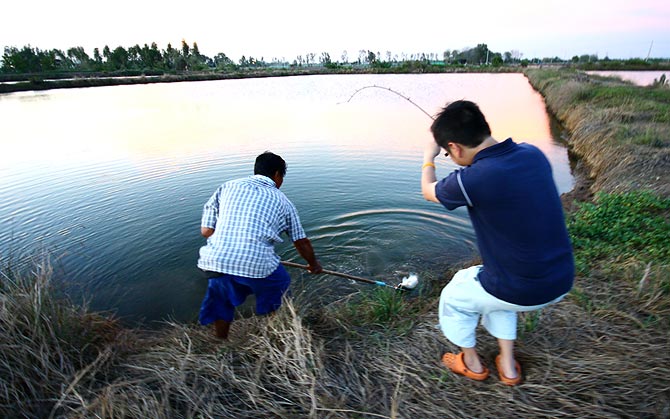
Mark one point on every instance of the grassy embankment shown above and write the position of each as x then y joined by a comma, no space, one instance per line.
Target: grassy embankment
603,352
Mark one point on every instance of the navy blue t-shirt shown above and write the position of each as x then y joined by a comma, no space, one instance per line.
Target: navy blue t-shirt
518,220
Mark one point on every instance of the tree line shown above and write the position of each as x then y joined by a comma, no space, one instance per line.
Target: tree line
150,59
145,58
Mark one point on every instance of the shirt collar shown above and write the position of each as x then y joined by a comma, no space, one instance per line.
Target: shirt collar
263,180
495,150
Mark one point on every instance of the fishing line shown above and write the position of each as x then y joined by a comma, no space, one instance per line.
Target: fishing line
392,91
412,280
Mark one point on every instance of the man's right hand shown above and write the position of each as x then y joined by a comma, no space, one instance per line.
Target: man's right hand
315,268
304,248
430,151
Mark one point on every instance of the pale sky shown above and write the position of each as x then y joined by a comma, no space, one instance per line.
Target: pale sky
288,28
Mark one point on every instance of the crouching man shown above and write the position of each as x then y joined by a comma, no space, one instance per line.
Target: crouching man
522,238
242,221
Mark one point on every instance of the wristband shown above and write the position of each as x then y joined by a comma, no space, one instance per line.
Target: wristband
428,165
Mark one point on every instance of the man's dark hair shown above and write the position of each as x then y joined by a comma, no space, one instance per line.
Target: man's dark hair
267,164
460,122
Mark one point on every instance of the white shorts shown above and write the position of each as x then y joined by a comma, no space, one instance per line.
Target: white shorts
463,300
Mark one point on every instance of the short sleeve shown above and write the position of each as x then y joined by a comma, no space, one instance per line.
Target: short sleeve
294,230
450,193
210,211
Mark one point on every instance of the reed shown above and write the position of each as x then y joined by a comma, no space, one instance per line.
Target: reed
49,346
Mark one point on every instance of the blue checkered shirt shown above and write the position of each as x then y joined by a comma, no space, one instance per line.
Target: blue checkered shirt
248,216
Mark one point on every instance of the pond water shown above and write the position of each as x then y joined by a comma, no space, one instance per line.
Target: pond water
110,181
640,78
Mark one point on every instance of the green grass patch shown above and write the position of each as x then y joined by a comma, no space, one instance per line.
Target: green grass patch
529,322
582,298
620,227
651,104
382,308
650,135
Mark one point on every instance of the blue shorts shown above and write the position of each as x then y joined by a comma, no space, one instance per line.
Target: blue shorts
225,292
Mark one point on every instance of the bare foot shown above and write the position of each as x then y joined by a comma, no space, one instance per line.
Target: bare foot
473,363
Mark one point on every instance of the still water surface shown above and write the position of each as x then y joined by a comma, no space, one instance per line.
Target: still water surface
639,78
111,180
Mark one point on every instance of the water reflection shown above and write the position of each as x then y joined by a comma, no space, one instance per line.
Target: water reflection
152,120
112,180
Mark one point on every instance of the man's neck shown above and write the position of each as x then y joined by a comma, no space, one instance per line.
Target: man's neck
488,142
472,152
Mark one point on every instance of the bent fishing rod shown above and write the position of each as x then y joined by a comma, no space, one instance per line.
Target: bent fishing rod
392,91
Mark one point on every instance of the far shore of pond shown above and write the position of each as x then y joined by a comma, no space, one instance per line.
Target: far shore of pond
39,82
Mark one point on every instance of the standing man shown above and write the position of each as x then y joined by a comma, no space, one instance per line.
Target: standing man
242,221
518,220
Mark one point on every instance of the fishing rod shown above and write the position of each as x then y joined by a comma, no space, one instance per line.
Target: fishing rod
392,91
407,283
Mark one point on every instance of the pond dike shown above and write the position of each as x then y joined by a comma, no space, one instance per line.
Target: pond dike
37,81
619,133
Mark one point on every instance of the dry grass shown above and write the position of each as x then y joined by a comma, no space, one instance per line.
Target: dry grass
591,356
49,348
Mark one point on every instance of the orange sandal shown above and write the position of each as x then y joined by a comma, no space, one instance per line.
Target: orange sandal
505,380
456,363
